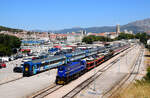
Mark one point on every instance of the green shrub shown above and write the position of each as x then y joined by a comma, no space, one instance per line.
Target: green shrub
148,74
8,43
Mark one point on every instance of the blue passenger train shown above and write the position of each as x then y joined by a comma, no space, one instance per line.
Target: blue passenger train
33,67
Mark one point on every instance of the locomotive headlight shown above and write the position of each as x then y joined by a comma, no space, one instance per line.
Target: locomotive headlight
26,69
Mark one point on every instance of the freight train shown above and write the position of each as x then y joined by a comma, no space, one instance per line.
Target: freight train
74,69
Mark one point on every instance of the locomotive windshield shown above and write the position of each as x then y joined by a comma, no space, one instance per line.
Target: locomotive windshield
61,68
26,67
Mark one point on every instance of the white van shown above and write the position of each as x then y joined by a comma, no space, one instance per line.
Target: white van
5,59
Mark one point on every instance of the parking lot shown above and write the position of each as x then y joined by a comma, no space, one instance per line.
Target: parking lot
7,74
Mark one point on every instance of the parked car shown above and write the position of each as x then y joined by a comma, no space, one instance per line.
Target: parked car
5,59
20,56
30,54
2,65
18,69
11,58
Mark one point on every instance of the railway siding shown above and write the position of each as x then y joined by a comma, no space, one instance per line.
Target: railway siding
128,78
110,78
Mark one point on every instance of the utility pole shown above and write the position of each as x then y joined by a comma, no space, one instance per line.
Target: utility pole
119,67
49,73
126,58
94,88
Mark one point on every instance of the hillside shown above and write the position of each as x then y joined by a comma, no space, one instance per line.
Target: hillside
2,28
90,29
136,26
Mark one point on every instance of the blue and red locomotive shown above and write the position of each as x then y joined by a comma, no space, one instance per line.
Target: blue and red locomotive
72,70
69,71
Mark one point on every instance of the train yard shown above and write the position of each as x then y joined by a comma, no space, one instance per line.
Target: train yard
80,84
79,87
95,77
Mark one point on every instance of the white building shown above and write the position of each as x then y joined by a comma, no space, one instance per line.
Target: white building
75,37
128,32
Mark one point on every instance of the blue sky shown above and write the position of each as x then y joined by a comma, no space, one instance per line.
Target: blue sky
60,14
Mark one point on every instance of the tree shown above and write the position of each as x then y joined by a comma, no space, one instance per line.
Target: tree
143,37
91,38
8,43
2,28
125,36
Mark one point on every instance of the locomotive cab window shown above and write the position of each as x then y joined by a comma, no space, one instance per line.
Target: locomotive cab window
61,68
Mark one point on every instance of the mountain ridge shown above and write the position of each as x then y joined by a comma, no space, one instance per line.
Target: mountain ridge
135,26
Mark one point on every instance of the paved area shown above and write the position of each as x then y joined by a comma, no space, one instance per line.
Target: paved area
28,85
111,77
7,74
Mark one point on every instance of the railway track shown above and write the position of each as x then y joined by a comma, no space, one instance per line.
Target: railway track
47,91
56,87
53,88
11,81
76,90
84,84
130,77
